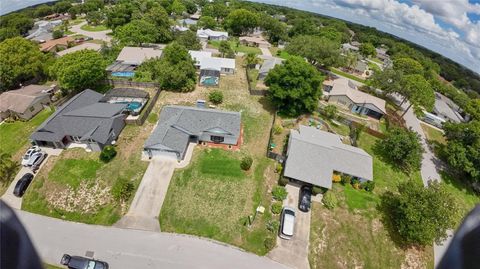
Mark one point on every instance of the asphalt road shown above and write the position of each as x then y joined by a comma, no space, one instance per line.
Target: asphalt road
126,248
100,35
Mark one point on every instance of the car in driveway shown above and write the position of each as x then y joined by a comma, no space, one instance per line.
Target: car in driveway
36,164
305,198
22,184
26,157
287,223
78,262
36,158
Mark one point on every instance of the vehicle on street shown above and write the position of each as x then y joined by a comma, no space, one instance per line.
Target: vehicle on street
35,157
26,157
305,198
78,262
38,162
287,223
22,184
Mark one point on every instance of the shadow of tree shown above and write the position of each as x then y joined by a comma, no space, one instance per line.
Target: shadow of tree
383,155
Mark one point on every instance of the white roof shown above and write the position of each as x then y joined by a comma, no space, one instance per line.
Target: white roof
197,54
207,33
342,86
90,46
205,60
137,55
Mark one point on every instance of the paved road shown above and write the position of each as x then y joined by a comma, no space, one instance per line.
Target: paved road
145,208
101,35
125,248
294,252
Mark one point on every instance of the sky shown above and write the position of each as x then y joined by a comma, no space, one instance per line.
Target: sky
449,27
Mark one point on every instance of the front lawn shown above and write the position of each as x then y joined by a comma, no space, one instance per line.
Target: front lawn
236,47
347,75
433,134
94,28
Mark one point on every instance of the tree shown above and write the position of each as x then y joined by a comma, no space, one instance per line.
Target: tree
419,92
79,70
8,32
303,27
94,17
18,21
473,108
388,80
351,59
207,22
189,40
225,48
108,153
421,215
402,148
190,6
251,59
294,87
21,60
367,49
8,168
330,111
43,10
92,5
120,14
177,7
216,10
274,29
62,6
246,163
241,21
216,97
57,34
159,17
318,51
408,66
137,32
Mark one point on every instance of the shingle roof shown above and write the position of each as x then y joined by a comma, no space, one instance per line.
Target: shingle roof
90,46
254,39
314,155
21,99
343,86
208,32
54,42
137,55
442,108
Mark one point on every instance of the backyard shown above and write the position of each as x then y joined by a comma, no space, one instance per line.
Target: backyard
347,75
235,46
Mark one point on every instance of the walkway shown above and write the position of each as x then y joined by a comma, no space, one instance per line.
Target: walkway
100,35
266,52
123,248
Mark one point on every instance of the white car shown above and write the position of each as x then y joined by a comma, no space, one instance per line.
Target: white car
287,224
36,158
28,154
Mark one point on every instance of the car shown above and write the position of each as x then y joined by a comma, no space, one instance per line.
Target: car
22,184
78,262
305,198
38,162
35,157
287,223
29,154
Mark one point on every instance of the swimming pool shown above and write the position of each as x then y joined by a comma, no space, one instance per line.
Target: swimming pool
127,74
134,106
209,81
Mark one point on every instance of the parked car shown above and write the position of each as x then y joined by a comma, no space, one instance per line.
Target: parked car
305,198
287,223
35,157
22,184
38,162
77,262
29,154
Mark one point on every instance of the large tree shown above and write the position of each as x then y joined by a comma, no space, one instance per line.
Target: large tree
159,17
79,70
418,92
294,87
421,215
241,21
318,51
408,66
473,108
274,29
367,49
137,32
21,60
188,39
207,22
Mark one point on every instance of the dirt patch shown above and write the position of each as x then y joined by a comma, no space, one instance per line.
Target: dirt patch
414,259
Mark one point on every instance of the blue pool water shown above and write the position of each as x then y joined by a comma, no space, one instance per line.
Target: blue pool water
127,74
210,81
134,105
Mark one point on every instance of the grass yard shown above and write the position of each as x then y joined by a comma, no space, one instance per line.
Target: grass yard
347,75
283,54
14,136
433,134
235,47
94,28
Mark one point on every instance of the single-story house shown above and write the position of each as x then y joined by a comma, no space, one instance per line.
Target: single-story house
42,30
208,34
254,41
356,44
314,155
360,68
345,93
187,22
180,125
445,108
195,16
209,77
204,60
130,58
55,44
382,54
349,47
267,65
83,46
82,120
135,99
25,102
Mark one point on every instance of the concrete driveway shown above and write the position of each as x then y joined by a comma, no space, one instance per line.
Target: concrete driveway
294,252
100,35
148,200
266,52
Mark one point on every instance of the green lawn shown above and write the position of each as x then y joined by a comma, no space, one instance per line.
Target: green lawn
253,74
350,76
94,28
14,136
376,60
283,54
433,134
239,48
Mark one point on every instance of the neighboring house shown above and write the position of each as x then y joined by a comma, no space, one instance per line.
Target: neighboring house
56,44
344,93
209,77
313,156
195,16
187,22
130,58
349,47
83,46
180,28
207,34
179,125
82,120
42,30
204,61
267,65
360,69
356,43
446,109
254,41
25,102
382,54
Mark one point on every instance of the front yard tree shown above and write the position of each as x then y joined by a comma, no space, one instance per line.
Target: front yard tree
137,32
320,52
408,66
207,22
241,21
225,49
189,40
79,70
367,49
418,91
421,215
274,29
402,147
294,87
159,17
177,7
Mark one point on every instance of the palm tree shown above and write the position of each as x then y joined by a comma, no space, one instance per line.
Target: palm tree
251,59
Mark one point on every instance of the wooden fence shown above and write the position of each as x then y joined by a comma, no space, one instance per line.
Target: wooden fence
251,88
127,83
146,110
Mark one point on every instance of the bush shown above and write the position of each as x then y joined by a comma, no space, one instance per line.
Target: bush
277,208
216,97
273,225
108,153
57,34
316,190
345,179
336,178
330,111
152,118
279,193
278,168
246,163
368,186
270,242
355,183
122,189
330,200
283,181
277,129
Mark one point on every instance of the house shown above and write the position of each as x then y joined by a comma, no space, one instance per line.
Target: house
355,43
360,69
195,16
56,44
313,156
130,58
209,77
267,65
446,109
344,93
187,22
207,34
382,54
180,125
83,46
25,102
204,61
42,30
82,120
254,41
349,47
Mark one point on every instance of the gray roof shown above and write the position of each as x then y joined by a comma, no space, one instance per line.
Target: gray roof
81,116
269,64
361,66
314,155
446,108
178,123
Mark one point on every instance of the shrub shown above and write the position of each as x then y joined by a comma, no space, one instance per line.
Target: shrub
108,153
273,225
216,97
270,242
277,208
277,129
345,179
316,190
152,118
355,183
278,168
57,34
283,181
368,186
336,178
122,189
246,163
330,200
330,111
279,193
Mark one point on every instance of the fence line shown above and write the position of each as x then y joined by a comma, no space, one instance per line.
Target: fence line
251,89
146,111
126,83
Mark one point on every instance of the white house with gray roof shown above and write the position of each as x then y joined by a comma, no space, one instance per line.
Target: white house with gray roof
314,155
180,125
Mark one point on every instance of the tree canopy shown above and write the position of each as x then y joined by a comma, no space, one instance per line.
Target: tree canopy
137,32
188,39
367,49
207,22
241,21
408,66
419,92
294,87
317,50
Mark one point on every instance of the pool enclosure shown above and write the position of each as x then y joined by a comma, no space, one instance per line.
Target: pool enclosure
209,77
134,98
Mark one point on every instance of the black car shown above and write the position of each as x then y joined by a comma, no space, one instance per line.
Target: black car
22,184
305,198
77,262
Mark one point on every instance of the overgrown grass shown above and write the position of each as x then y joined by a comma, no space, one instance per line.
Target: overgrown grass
94,28
236,47
463,193
74,171
347,75
433,134
14,136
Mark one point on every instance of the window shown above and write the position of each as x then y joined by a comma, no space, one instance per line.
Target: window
216,139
